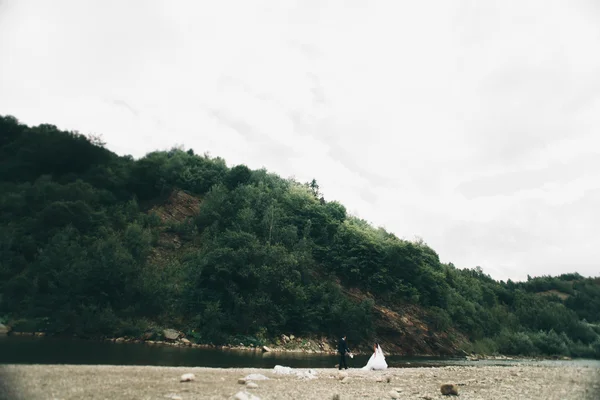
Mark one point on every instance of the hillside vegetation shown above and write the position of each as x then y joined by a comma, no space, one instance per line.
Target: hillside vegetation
99,245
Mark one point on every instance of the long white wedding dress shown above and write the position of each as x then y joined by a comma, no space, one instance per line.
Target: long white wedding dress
377,361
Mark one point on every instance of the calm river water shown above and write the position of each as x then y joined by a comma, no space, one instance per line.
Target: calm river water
32,350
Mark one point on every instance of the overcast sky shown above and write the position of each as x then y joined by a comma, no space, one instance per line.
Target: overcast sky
474,125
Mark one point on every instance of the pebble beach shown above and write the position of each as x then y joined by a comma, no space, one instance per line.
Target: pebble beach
148,382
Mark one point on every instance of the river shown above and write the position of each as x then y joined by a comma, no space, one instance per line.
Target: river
48,350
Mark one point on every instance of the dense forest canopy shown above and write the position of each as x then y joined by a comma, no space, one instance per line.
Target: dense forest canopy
84,250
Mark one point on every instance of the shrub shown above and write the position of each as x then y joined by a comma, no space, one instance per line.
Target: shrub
550,343
581,350
485,346
515,343
596,348
439,319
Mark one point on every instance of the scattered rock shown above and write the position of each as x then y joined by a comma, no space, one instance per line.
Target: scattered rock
147,336
242,381
256,377
281,370
4,329
388,379
336,397
379,379
173,396
266,349
346,380
449,389
119,340
245,396
426,398
170,334
292,337
187,378
285,338
251,385
393,394
310,374
342,375
185,341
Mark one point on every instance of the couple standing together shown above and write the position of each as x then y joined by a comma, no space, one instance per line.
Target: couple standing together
376,362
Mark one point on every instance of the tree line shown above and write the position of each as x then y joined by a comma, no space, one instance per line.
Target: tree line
81,252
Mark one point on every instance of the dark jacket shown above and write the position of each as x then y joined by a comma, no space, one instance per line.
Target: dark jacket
343,347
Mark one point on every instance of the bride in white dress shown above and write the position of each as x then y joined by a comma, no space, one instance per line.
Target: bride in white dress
377,360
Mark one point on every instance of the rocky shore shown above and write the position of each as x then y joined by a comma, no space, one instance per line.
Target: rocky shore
134,382
171,337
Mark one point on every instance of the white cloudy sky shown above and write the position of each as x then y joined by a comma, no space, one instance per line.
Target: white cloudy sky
472,124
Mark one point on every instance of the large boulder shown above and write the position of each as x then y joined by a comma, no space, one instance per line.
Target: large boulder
171,334
449,389
4,329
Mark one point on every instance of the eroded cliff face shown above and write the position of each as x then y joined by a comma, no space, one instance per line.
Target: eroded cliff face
404,330
178,207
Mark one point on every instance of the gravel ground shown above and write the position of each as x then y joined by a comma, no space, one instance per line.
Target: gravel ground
134,382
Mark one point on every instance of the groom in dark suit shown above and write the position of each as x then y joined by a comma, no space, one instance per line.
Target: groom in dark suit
343,349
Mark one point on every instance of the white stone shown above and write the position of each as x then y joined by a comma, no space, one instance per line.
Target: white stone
310,374
245,396
393,394
281,370
256,377
251,385
187,377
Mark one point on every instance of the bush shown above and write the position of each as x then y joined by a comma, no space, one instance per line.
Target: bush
581,350
439,319
485,346
550,343
596,348
515,343
582,331
30,325
247,340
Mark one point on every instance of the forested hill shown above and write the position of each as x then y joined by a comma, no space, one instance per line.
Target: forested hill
94,244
